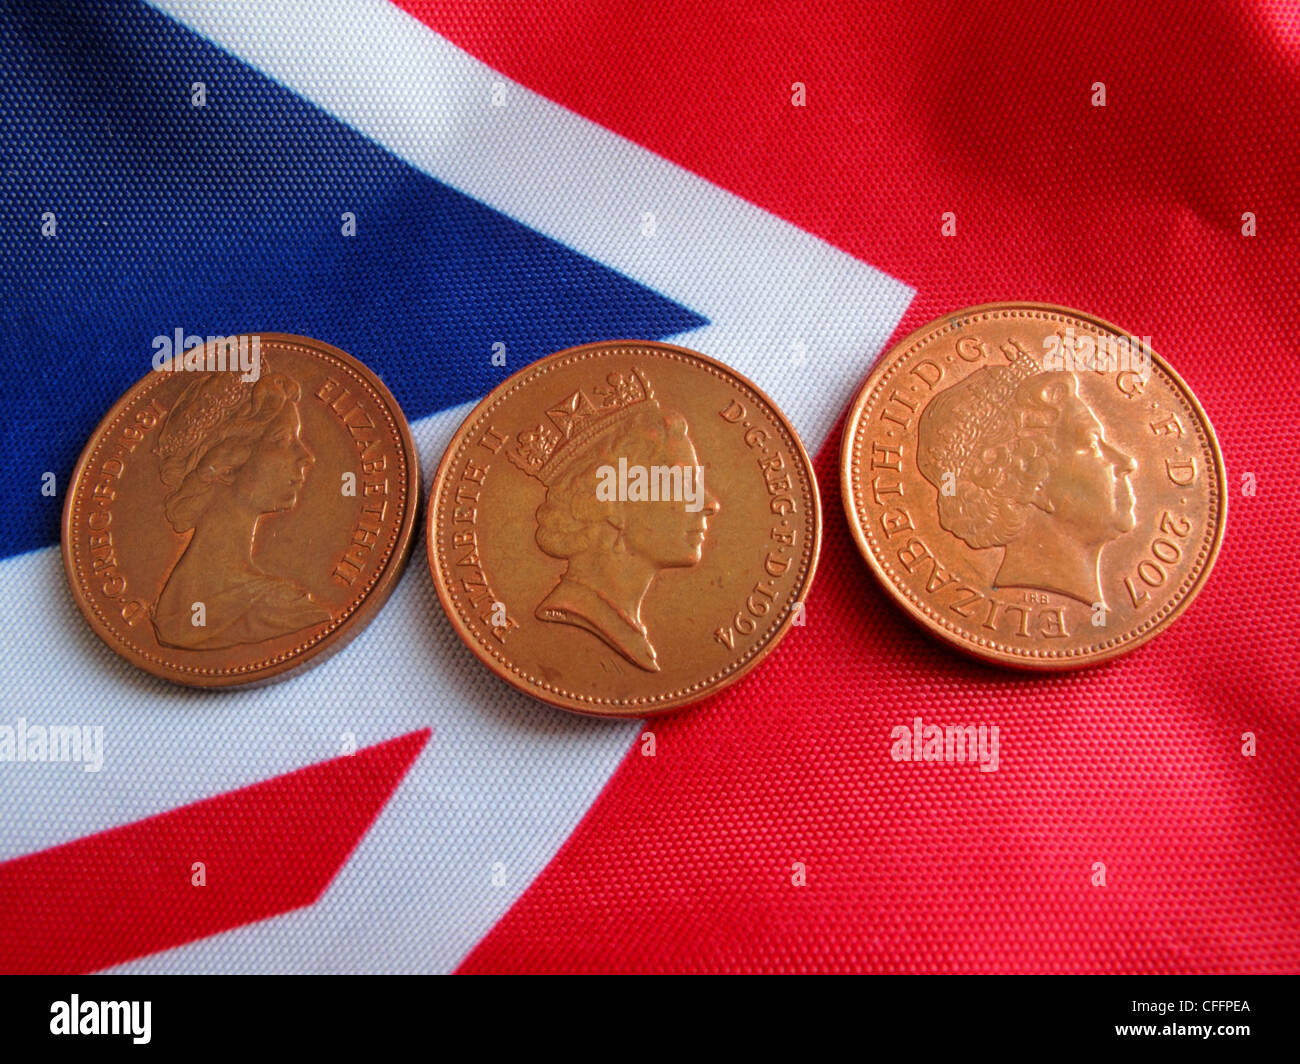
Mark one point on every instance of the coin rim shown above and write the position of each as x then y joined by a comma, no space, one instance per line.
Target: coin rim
1024,664
586,708
335,641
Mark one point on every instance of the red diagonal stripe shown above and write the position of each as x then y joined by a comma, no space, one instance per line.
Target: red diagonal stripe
127,892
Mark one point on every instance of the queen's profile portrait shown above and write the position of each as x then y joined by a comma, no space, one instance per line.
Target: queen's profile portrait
1021,462
231,456
613,549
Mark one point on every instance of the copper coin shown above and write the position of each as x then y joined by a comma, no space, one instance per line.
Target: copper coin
624,528
1033,485
228,526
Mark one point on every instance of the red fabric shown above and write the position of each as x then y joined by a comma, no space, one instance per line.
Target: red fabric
266,849
1132,211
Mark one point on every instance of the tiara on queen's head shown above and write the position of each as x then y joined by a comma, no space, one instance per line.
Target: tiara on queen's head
212,399
546,449
987,396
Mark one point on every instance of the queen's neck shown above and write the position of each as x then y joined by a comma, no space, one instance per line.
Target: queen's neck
621,579
1040,558
224,536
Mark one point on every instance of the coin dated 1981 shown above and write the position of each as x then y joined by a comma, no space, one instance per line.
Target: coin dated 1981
228,525
1033,485
624,528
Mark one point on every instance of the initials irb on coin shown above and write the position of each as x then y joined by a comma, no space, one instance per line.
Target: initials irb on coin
624,528
226,526
1033,485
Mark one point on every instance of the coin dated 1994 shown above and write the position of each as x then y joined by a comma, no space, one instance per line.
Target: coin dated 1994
228,525
1033,485
624,528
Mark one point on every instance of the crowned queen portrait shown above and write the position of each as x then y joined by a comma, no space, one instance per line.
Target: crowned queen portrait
612,549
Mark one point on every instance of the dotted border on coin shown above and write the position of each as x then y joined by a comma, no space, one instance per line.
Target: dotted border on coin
700,685
352,607
1176,597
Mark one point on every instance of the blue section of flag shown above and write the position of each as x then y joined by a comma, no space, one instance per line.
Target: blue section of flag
228,218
